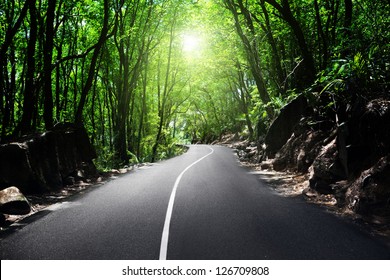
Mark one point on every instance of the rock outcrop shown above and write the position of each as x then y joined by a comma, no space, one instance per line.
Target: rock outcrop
13,202
43,162
326,169
369,193
349,159
283,126
301,149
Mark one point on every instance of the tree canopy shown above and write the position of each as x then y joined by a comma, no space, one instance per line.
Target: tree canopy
144,75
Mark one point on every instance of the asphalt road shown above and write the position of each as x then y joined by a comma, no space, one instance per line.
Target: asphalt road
217,210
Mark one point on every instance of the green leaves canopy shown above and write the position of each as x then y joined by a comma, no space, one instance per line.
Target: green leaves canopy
120,67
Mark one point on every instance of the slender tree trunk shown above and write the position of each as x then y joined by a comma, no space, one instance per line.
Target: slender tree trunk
275,53
308,72
92,67
143,107
122,98
323,48
348,14
30,98
347,25
47,65
130,49
245,101
12,30
252,54
7,91
164,92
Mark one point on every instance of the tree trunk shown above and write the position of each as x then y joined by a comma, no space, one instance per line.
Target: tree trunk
277,64
7,91
252,54
165,91
30,93
307,74
143,107
323,48
348,15
245,100
47,67
347,26
92,67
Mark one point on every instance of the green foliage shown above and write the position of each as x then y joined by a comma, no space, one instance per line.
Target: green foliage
150,92
107,159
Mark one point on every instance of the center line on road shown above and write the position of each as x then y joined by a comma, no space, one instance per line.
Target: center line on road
165,233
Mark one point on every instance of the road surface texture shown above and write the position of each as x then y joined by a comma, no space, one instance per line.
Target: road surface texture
207,205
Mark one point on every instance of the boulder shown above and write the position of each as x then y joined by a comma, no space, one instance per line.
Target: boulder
15,166
365,137
326,169
375,125
300,150
13,202
282,127
265,165
369,159
42,162
369,194
69,181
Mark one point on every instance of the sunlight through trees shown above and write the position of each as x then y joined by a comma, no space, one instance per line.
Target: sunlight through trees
145,75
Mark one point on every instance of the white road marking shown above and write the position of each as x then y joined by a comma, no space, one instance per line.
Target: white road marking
165,233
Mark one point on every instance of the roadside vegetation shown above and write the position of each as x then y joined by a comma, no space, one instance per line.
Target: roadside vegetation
142,75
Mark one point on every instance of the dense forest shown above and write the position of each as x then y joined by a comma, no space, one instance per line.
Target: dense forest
144,75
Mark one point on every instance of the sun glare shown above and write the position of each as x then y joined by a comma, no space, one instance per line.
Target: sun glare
191,43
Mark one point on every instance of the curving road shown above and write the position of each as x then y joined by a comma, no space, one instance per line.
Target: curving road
201,205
